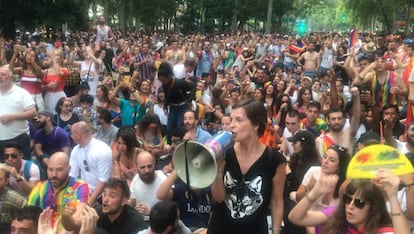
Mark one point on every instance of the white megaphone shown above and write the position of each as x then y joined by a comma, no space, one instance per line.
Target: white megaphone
199,160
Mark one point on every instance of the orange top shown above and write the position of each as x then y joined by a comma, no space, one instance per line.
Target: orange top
57,78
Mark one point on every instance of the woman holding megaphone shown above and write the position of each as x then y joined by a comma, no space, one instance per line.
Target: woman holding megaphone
250,179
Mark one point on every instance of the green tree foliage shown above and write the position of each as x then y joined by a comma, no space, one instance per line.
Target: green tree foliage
26,14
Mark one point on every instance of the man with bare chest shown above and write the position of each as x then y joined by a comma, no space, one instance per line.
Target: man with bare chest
338,134
311,61
174,54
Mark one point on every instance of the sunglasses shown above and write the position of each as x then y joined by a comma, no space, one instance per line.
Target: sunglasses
338,148
358,203
12,155
86,165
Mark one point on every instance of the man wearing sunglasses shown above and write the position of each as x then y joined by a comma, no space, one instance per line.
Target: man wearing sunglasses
24,173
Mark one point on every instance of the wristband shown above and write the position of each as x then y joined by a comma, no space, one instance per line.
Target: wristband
396,214
276,229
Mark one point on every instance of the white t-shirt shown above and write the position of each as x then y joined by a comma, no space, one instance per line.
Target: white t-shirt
146,193
402,146
16,100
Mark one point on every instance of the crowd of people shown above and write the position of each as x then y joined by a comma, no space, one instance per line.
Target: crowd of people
90,123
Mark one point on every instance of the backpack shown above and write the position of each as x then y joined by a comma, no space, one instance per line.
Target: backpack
26,170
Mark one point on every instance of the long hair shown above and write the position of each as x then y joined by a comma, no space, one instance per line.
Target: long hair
301,92
146,120
279,102
127,134
302,161
344,159
105,92
377,216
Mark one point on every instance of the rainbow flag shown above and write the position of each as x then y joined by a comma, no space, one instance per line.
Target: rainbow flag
353,38
326,142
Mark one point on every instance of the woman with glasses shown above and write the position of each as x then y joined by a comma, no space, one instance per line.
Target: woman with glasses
65,117
361,209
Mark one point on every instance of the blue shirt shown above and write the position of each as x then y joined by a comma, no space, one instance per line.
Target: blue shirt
128,112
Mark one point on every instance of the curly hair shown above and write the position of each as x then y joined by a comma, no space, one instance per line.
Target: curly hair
377,216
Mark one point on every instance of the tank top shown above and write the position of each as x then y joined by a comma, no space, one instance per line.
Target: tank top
31,83
88,73
102,33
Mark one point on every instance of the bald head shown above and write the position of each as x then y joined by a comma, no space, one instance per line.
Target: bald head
145,156
58,169
81,133
146,167
59,158
82,127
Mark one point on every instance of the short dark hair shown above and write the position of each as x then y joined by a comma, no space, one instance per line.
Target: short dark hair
391,106
118,183
255,112
28,213
12,144
165,70
105,115
293,114
163,214
81,87
334,110
86,98
314,104
178,132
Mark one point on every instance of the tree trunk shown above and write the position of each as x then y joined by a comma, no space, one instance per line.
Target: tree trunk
269,16
234,16
122,16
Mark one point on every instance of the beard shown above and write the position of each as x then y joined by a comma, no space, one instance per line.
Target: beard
336,128
58,183
147,178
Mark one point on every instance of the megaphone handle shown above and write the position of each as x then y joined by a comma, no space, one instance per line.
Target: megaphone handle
187,174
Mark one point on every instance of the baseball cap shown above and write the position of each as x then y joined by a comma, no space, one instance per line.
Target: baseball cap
303,136
47,114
